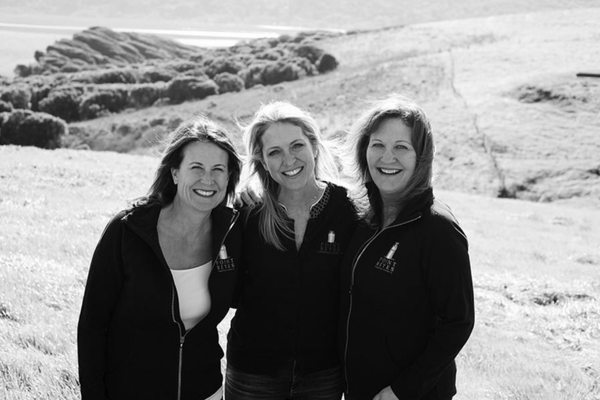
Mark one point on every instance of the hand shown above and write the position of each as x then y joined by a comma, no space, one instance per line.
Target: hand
247,196
386,394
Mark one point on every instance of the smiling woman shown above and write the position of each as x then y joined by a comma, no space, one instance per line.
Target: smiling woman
407,294
162,277
282,341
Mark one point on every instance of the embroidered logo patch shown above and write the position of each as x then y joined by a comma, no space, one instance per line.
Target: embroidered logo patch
224,263
387,263
330,247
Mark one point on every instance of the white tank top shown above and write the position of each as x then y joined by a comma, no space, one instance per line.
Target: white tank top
193,294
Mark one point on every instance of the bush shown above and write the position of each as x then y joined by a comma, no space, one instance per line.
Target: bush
63,103
5,106
185,88
252,75
229,82
146,94
326,63
39,93
102,102
157,74
28,128
309,51
275,73
18,95
221,64
121,75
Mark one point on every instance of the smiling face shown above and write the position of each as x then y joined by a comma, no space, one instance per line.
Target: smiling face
391,158
288,156
202,177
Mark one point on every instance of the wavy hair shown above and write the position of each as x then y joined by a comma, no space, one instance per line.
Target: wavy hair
199,129
393,107
271,214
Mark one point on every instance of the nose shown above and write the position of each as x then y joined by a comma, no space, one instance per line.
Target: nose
388,156
206,178
289,159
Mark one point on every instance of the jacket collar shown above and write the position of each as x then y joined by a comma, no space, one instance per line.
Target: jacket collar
413,208
144,219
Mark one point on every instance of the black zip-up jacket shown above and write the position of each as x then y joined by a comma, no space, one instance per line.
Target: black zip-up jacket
289,303
407,304
132,343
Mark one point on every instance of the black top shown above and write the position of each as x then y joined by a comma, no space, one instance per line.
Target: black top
132,343
289,302
407,304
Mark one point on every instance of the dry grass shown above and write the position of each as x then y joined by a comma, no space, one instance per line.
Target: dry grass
536,266
536,270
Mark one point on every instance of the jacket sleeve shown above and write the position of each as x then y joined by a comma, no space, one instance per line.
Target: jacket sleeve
448,280
103,287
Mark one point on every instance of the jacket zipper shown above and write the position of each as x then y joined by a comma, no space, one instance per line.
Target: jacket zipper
181,341
354,263
182,336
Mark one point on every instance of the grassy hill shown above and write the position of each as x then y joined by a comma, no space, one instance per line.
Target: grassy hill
536,270
511,119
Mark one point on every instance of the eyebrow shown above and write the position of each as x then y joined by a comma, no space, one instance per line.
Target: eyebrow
202,165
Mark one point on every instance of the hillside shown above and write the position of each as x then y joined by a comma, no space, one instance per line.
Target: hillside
535,268
511,117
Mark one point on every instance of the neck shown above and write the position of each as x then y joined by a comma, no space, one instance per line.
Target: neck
306,196
186,221
390,213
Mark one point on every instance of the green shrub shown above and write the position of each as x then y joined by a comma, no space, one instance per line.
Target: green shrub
252,75
102,102
309,51
229,82
63,103
281,71
18,95
326,63
121,75
29,128
146,94
157,74
185,88
5,106
218,65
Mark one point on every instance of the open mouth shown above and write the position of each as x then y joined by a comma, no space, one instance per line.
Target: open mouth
205,193
389,171
293,172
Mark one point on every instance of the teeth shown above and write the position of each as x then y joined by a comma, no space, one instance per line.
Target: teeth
388,171
205,193
293,172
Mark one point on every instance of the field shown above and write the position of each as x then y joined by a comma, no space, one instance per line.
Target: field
536,270
511,119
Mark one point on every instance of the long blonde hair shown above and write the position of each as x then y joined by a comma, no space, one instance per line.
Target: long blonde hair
272,218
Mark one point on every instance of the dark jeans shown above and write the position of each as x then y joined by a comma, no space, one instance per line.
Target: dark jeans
322,385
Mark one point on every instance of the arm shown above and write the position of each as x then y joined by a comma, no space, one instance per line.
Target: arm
105,279
447,272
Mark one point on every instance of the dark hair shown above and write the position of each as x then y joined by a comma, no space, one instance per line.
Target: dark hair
199,129
413,116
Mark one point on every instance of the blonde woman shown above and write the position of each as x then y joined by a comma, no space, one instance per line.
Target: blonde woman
283,339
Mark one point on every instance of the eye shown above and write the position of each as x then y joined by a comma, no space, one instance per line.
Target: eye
401,146
376,144
297,145
273,153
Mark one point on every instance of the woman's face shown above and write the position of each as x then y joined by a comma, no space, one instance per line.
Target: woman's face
391,158
288,156
202,177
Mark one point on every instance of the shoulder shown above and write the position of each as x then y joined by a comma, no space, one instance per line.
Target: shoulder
441,221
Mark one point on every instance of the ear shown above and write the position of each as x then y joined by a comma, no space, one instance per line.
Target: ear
174,173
